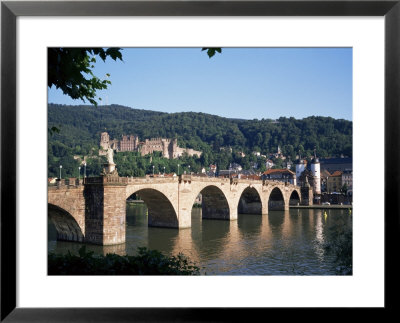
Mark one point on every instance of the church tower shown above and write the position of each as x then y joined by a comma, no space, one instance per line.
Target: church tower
316,172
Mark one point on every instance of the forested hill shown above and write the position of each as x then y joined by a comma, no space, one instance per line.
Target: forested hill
80,126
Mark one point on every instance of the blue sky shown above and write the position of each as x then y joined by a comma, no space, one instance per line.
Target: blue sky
247,83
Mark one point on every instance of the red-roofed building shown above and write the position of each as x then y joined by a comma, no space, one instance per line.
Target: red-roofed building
280,174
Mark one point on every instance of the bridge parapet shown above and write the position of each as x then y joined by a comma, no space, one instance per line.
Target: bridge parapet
246,181
107,179
274,183
93,180
129,180
184,177
66,183
64,187
148,179
204,179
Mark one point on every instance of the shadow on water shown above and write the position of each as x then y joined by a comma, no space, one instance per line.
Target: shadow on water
162,239
250,224
139,234
276,219
214,234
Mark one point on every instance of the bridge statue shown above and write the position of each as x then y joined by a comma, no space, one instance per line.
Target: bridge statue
109,167
110,156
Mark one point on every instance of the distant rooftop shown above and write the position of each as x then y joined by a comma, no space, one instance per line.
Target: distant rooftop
278,170
337,173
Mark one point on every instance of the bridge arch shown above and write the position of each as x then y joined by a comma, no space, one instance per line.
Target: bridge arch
161,212
214,204
294,198
276,199
66,226
250,201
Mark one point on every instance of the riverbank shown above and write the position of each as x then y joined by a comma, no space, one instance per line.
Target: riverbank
335,206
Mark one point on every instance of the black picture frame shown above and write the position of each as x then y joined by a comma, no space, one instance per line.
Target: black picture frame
10,10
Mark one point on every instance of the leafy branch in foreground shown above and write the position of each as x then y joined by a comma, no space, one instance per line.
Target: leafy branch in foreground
146,262
211,51
70,69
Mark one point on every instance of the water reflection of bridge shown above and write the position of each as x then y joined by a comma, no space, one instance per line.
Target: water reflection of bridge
274,235
95,211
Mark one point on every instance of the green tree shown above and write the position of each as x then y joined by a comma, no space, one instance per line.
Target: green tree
340,244
211,51
71,70
278,163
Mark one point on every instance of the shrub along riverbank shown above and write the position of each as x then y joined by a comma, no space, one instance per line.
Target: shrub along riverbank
146,262
341,245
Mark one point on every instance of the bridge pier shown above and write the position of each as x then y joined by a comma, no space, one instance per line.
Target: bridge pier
105,211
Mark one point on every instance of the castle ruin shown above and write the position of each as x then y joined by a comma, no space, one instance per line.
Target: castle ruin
168,147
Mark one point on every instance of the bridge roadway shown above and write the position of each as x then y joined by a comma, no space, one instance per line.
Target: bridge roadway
95,212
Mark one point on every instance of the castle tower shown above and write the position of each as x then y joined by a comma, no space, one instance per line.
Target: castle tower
300,168
175,152
316,172
104,141
165,147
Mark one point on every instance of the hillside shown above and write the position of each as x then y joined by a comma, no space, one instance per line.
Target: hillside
80,128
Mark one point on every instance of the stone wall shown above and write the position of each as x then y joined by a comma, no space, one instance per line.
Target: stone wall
306,195
94,213
114,214
105,213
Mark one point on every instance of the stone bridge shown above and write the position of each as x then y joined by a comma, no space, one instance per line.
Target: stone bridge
95,212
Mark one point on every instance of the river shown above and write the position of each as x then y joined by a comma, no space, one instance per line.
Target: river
280,243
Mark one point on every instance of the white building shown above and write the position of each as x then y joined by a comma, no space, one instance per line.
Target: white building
316,172
269,164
